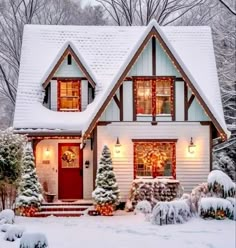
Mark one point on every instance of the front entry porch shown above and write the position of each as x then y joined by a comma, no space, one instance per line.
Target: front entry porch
64,168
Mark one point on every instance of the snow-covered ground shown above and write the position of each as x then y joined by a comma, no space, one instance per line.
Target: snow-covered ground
128,231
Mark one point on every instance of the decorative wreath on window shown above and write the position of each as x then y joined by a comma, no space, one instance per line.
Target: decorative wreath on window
69,156
158,157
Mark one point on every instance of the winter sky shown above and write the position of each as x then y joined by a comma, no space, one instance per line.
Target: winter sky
84,2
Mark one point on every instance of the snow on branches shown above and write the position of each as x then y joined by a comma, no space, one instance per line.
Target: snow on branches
218,208
32,240
29,192
221,184
177,211
107,192
11,151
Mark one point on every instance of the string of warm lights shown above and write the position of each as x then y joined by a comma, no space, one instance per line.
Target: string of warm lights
105,209
27,211
30,138
222,134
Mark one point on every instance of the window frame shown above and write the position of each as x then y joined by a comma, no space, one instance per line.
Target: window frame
59,95
153,80
172,142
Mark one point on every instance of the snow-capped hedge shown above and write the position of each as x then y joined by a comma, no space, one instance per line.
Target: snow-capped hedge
13,233
233,202
144,207
177,211
32,240
221,184
5,227
213,207
7,216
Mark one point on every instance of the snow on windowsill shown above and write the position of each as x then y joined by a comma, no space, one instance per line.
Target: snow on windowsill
157,179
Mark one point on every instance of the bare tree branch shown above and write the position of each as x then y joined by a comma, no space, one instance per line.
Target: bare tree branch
228,7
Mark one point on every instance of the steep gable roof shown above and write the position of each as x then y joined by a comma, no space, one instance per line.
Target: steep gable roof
108,52
68,48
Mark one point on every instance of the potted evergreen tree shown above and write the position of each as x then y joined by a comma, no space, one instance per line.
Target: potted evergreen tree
29,197
106,193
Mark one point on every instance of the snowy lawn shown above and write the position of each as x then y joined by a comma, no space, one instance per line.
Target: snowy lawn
127,231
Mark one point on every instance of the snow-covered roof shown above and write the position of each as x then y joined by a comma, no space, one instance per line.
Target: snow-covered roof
106,51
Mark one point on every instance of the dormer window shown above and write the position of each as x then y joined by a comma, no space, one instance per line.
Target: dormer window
69,97
69,59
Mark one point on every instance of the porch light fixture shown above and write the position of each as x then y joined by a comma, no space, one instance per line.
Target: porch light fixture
117,145
47,153
191,147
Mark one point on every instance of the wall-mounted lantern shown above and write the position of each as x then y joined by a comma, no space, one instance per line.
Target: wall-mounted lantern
46,156
47,153
117,146
191,146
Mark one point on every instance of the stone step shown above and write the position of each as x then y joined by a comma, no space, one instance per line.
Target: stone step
68,204
59,214
65,208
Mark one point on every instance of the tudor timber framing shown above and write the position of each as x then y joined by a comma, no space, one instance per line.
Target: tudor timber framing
154,32
67,51
119,103
190,101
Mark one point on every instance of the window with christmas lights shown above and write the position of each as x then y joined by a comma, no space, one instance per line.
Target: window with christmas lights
154,96
154,159
69,95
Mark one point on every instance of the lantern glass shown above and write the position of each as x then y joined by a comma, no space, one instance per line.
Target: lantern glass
47,153
117,146
191,147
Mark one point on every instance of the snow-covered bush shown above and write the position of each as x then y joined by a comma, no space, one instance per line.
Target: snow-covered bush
217,208
106,193
11,150
5,227
233,202
33,240
225,163
30,190
220,184
177,211
3,221
13,233
8,216
196,195
143,207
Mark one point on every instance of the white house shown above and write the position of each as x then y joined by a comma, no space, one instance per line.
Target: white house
150,93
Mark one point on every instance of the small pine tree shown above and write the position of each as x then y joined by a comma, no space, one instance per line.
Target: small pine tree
107,191
30,190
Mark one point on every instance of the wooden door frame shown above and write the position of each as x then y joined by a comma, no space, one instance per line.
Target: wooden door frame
80,162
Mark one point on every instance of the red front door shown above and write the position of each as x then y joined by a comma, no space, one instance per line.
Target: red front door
70,171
